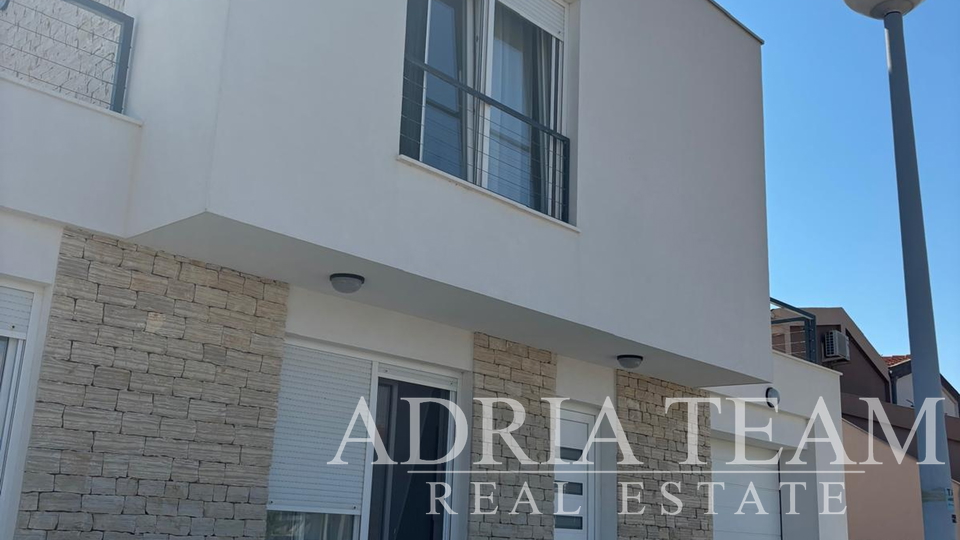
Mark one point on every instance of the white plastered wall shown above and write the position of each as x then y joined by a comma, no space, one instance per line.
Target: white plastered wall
338,320
801,385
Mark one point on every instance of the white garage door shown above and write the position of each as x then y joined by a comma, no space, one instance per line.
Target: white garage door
736,478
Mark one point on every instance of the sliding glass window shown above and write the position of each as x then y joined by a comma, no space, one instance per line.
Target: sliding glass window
482,96
519,156
433,109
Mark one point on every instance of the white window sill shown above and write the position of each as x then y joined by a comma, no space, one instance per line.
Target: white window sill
486,192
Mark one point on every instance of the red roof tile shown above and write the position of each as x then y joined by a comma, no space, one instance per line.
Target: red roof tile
896,359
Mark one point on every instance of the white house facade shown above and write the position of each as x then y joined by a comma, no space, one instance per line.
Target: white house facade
518,192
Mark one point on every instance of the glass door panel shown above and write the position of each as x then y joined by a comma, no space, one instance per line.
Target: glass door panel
400,496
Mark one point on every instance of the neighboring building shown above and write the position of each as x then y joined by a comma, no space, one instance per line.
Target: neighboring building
864,370
530,188
865,373
901,384
883,500
883,504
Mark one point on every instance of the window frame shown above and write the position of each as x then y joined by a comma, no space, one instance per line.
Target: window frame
414,371
559,88
356,524
11,365
554,202
30,347
464,53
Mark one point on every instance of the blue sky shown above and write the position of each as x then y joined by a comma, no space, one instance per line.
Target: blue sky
831,187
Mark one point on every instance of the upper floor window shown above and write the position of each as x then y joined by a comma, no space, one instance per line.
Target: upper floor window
482,96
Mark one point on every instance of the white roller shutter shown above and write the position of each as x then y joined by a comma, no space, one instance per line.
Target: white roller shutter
15,309
726,524
550,15
318,393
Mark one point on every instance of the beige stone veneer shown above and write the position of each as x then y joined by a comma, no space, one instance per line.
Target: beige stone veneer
157,398
512,370
658,438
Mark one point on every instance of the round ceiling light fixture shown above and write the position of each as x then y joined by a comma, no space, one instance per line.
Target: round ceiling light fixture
346,283
629,361
773,397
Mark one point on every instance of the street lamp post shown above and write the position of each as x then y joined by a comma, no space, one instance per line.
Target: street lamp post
936,490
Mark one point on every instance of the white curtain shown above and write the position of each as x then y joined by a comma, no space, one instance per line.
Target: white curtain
524,79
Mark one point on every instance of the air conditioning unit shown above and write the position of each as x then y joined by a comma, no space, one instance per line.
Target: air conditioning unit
836,347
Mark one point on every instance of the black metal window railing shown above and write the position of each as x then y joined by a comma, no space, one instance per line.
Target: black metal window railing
794,331
79,48
461,131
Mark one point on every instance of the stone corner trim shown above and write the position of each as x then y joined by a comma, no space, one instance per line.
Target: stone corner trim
658,438
157,398
507,369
